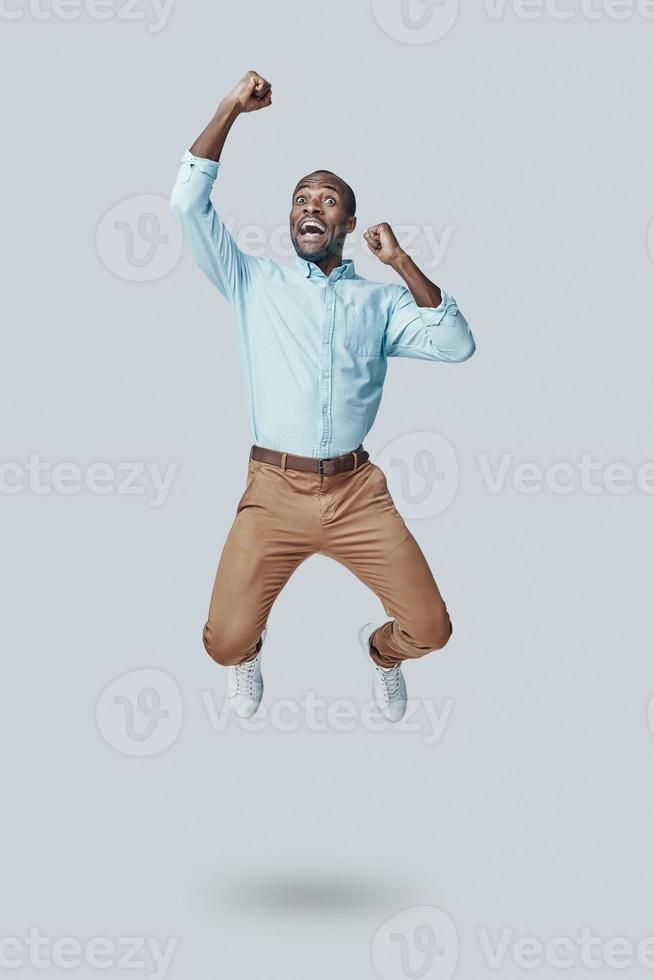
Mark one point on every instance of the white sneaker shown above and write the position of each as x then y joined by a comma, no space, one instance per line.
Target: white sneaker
245,685
388,684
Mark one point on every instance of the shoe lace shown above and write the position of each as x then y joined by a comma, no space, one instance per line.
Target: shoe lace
245,674
391,681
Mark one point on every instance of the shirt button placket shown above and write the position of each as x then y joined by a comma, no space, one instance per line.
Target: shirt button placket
325,371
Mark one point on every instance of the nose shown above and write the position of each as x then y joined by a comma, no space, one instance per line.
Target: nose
312,207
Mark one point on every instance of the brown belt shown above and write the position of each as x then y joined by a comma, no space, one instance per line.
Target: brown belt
309,464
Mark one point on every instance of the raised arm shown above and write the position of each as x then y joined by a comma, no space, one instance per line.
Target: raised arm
424,321
251,93
213,248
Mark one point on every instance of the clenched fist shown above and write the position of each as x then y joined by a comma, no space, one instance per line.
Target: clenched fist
252,92
383,243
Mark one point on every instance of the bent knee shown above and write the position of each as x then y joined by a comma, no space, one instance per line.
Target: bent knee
224,649
434,633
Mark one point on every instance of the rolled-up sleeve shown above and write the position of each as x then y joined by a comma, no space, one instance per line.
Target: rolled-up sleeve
231,270
429,333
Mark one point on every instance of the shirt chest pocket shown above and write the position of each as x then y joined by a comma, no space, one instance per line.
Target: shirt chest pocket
364,331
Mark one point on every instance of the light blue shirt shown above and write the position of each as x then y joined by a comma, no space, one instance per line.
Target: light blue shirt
313,347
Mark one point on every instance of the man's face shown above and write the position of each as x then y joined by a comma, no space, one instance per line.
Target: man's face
319,217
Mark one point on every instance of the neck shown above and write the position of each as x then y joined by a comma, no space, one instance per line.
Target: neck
327,265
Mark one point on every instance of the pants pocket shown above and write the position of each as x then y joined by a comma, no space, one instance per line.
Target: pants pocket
249,481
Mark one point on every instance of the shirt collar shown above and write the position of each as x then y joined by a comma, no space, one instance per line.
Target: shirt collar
344,271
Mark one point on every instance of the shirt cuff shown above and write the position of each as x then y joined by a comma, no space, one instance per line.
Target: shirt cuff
208,167
438,313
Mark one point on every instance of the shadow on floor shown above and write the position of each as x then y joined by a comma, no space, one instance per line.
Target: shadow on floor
310,892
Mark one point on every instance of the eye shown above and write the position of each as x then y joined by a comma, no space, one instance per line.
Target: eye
300,199
330,200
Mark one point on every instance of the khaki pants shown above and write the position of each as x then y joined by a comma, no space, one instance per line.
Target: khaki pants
283,517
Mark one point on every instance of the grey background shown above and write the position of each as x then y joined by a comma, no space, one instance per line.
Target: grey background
280,854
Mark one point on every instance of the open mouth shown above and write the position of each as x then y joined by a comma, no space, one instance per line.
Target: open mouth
312,228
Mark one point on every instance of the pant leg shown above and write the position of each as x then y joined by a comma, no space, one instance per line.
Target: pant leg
268,539
367,535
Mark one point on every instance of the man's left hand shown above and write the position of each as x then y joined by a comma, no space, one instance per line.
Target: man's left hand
383,243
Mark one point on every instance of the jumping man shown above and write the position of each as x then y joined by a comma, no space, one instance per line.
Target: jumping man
314,342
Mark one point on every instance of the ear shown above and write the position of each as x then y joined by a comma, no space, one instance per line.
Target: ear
351,224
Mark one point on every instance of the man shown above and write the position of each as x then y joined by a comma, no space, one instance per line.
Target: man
314,342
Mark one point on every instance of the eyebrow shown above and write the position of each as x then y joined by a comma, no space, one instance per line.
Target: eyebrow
329,186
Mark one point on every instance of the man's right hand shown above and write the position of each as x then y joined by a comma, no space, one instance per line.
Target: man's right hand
252,92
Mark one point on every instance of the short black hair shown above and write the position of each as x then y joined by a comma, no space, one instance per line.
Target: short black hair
350,197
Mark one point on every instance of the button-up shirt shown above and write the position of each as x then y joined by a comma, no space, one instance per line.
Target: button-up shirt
313,347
